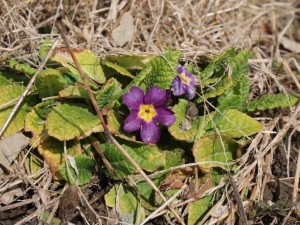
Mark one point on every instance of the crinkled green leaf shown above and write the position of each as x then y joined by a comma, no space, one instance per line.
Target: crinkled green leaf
109,94
121,70
217,66
74,91
7,94
66,122
185,129
49,82
35,120
237,124
52,151
85,166
198,208
24,68
218,89
4,81
163,70
131,62
174,158
215,150
149,157
271,101
88,61
137,81
44,48
236,96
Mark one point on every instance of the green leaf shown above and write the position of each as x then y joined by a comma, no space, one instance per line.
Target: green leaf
84,165
49,82
149,157
52,151
163,70
237,124
215,150
7,94
35,121
109,94
66,122
24,68
12,77
219,88
217,66
88,61
74,91
121,70
236,96
174,158
271,101
198,209
137,81
44,48
110,197
131,62
185,129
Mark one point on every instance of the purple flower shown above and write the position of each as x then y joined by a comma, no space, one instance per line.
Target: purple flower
183,83
146,111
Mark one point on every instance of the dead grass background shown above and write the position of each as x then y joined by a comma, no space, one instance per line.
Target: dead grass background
271,29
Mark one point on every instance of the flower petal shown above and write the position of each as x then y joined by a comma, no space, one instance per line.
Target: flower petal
150,132
178,87
191,92
156,96
164,116
134,98
132,122
180,69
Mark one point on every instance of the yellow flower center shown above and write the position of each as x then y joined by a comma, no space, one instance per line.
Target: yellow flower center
185,79
147,112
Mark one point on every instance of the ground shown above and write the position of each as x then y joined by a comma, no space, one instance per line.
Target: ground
268,177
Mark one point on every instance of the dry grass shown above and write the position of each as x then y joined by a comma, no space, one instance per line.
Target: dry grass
271,29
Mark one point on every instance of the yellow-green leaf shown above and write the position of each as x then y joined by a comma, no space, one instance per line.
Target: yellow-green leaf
198,209
35,121
88,61
66,122
121,70
237,124
131,62
74,91
49,82
271,101
52,151
7,94
109,94
217,151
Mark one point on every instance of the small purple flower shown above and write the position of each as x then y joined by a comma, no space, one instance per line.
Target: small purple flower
183,83
146,111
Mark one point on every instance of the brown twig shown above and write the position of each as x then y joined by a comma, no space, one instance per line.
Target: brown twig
238,200
106,130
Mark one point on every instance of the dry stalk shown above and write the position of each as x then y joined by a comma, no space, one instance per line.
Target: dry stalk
106,130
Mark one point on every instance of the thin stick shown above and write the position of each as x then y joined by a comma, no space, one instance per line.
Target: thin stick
238,200
24,94
290,72
296,180
105,128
